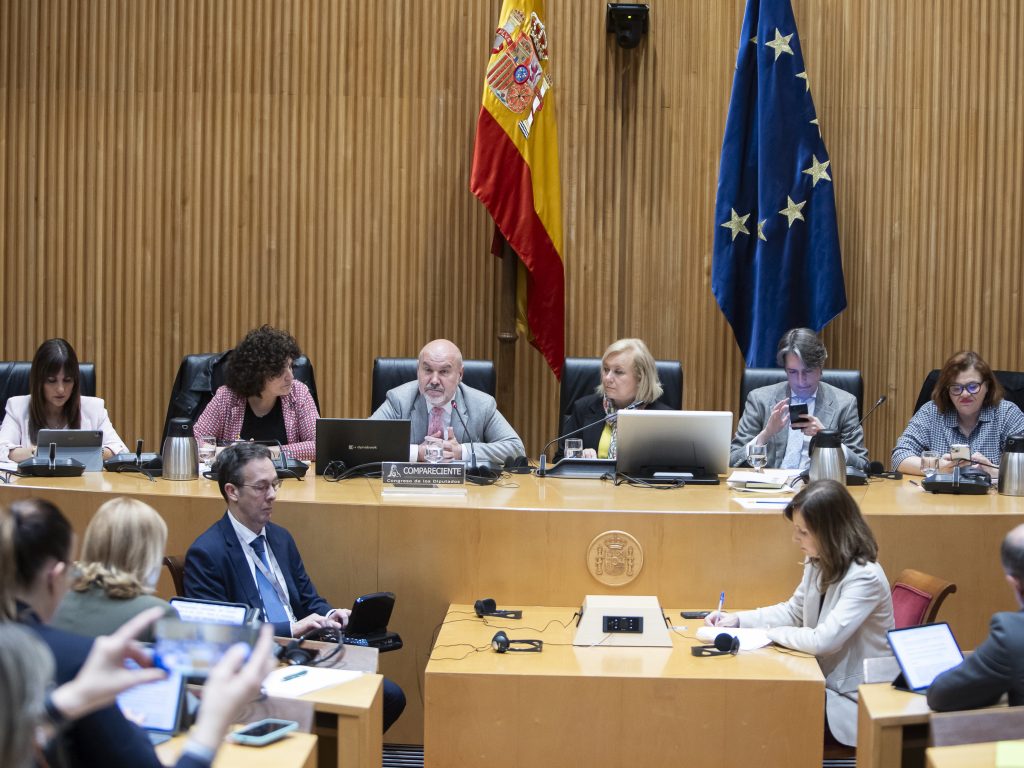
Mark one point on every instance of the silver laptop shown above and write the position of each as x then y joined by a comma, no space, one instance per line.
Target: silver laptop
85,445
673,442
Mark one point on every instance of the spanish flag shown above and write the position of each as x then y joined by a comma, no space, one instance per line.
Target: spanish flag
515,169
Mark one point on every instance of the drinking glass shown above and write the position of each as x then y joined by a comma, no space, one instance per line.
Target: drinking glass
574,448
929,462
207,449
433,450
757,455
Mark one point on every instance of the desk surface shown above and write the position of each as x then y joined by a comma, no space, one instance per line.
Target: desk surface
296,750
962,756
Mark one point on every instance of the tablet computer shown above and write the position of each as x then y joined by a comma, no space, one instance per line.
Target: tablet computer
924,653
85,445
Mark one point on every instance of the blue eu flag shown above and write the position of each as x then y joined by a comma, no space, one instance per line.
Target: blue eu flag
776,260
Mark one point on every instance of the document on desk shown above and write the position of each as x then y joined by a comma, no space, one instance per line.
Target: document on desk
768,481
763,505
751,638
292,682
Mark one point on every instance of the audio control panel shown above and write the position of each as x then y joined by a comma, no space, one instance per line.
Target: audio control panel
632,624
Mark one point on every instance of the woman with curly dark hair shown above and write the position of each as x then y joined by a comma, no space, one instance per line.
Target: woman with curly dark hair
261,400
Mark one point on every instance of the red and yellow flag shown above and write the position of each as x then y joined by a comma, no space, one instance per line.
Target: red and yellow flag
515,169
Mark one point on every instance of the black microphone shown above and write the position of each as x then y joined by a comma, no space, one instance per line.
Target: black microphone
53,455
871,410
466,432
608,419
138,452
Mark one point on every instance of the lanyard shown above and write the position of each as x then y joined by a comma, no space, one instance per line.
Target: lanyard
250,554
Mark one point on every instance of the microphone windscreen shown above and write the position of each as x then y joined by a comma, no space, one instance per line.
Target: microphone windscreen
876,468
726,643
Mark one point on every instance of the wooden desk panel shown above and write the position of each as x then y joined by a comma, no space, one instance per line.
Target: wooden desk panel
296,750
524,542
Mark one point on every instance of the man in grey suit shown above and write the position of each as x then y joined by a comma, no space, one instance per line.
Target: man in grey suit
765,419
997,665
443,410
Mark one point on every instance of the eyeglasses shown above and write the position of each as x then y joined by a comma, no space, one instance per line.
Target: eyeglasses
972,387
262,488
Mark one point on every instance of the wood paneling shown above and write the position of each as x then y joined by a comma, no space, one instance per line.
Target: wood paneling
176,173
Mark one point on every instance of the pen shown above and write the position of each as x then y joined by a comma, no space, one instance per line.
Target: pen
718,618
293,675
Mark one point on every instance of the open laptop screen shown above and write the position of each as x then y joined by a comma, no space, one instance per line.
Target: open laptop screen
84,445
361,441
924,653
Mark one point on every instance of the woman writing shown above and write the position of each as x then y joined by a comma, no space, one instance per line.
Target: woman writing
261,400
842,608
55,402
967,407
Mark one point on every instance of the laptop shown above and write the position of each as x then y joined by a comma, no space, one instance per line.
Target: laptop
688,445
84,445
156,707
923,653
211,611
361,441
368,624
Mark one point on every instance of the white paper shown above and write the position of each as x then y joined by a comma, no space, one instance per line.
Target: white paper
763,504
292,682
751,638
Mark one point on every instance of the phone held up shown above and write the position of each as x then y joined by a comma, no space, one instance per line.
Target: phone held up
797,413
193,648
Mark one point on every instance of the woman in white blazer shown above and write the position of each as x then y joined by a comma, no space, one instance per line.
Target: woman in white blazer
842,608
54,401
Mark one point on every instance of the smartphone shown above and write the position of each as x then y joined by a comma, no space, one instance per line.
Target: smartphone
694,614
797,413
193,648
263,732
959,451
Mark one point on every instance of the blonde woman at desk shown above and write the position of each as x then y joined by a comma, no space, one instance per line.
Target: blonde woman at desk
842,608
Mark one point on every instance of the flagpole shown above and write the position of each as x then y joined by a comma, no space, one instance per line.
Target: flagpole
507,333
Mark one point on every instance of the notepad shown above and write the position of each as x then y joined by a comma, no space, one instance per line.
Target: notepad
751,638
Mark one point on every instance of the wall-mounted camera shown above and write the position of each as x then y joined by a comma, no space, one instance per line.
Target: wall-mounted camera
628,22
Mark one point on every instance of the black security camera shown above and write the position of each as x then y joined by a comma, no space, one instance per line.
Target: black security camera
628,22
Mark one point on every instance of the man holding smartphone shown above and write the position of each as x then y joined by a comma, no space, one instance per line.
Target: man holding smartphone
785,416
245,558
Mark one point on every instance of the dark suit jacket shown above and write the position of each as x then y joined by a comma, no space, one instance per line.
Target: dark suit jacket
216,569
105,737
587,410
996,667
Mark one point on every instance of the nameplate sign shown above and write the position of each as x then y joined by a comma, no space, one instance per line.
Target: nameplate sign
405,474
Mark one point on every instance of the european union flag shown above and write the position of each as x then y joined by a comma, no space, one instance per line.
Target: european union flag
776,260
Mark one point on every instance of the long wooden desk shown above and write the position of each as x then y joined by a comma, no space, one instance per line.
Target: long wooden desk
963,756
613,706
296,750
892,727
525,541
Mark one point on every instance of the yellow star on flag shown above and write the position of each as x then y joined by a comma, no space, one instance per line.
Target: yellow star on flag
792,210
737,224
760,230
815,122
818,171
803,76
780,44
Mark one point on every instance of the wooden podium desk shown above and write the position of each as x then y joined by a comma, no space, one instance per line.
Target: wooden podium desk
891,724
296,750
607,706
524,542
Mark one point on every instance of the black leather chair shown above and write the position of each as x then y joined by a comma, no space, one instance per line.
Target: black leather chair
391,372
1012,381
200,375
845,379
581,375
14,380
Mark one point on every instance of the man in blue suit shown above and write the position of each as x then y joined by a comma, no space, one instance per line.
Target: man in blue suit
244,558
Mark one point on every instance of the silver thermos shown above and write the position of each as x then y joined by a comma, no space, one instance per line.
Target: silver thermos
1011,467
180,453
827,459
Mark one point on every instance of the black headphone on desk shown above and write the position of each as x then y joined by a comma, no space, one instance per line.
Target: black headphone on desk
501,643
487,607
724,645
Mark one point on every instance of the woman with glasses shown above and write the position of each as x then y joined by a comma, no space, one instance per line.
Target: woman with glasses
967,407
261,400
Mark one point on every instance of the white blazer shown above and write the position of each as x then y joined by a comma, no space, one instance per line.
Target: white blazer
851,626
14,430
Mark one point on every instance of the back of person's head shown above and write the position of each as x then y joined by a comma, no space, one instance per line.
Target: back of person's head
52,357
648,385
33,536
1012,554
259,357
123,549
26,670
953,367
805,344
843,536
231,462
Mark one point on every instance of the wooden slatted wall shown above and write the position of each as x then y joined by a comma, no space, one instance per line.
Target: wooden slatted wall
172,174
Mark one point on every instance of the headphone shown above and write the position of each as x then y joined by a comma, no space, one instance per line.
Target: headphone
487,607
725,645
500,643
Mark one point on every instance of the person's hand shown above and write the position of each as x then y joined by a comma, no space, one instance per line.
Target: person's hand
778,419
722,619
812,425
341,615
312,623
589,453
452,449
981,462
946,463
104,674
434,439
230,685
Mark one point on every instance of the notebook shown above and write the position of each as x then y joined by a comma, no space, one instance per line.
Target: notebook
85,445
924,653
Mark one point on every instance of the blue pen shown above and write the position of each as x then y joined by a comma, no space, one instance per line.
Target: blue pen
721,604
293,675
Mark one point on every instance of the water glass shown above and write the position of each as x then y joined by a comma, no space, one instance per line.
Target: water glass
433,450
757,455
207,449
929,463
574,448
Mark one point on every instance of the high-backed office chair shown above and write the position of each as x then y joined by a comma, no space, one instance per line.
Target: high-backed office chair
947,729
581,375
917,597
175,565
14,380
200,375
391,372
840,378
1012,381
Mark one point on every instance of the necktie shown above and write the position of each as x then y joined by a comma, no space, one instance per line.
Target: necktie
272,605
436,421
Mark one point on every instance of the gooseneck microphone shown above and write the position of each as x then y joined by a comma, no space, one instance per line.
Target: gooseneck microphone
138,452
871,410
607,419
465,430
